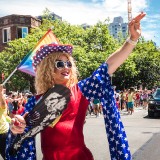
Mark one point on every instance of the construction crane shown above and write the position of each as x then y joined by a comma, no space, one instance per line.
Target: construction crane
129,12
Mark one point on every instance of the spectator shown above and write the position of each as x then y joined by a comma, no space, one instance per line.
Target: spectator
130,100
9,101
4,125
145,99
96,106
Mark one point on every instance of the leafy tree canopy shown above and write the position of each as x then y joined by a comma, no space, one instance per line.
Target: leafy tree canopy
92,46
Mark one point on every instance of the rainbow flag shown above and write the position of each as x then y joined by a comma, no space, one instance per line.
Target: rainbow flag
26,64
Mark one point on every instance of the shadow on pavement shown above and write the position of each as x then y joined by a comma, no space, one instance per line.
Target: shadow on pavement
150,150
155,117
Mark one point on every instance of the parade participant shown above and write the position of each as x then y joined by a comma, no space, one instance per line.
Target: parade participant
4,125
137,99
54,64
9,101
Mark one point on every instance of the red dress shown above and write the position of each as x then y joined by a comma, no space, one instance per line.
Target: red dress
65,141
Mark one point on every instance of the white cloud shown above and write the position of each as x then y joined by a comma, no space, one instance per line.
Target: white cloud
79,12
75,13
149,35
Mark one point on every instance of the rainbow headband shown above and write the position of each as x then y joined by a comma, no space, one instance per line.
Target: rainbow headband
45,50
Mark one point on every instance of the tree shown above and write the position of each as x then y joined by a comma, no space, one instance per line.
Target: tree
147,62
92,46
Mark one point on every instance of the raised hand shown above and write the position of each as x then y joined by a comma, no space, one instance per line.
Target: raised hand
135,27
18,124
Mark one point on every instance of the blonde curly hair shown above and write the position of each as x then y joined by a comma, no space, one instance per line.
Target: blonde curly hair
45,72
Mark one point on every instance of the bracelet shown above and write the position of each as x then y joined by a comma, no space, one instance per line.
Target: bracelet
131,41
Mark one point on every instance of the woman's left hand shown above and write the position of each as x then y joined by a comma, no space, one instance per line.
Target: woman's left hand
18,124
135,28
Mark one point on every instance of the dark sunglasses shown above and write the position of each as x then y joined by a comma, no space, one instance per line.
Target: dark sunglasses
62,64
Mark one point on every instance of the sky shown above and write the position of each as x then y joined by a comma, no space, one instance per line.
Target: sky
90,12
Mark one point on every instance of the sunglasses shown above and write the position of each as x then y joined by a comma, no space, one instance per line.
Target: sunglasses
62,64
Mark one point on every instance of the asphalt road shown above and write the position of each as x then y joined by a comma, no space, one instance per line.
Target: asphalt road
143,135
142,132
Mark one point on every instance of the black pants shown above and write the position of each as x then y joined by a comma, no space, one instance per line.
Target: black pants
3,144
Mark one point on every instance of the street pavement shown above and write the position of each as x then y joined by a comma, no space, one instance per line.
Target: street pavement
143,135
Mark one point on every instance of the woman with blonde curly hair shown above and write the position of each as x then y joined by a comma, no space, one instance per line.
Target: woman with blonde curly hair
46,67
64,140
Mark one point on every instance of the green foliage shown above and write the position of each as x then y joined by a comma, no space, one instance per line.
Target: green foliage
98,39
141,68
147,63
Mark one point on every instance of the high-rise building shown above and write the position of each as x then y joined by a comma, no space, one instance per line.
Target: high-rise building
85,26
118,27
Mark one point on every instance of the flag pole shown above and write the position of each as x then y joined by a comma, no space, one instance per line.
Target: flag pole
27,56
9,76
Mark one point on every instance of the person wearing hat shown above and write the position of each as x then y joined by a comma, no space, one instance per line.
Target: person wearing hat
54,64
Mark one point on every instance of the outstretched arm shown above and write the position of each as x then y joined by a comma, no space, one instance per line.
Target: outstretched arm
119,56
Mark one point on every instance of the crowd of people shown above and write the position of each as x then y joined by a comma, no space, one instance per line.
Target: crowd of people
16,102
131,98
11,104
126,100
54,65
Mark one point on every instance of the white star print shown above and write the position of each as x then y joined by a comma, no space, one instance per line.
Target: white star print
123,146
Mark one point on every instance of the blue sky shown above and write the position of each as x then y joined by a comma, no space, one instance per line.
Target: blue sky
90,11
